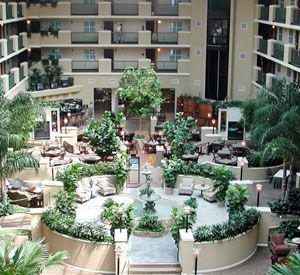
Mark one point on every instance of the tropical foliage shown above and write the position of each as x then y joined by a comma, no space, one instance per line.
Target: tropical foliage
291,268
236,199
122,168
30,258
150,222
289,228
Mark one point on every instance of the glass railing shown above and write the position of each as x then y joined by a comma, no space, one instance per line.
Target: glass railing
84,37
296,20
278,51
125,9
10,47
19,10
85,66
20,42
11,80
9,12
21,73
166,66
295,58
280,15
82,9
264,13
261,78
125,38
166,9
120,66
263,46
165,38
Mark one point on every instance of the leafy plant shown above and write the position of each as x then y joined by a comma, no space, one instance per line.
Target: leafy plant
7,209
236,199
150,222
30,258
70,81
146,191
122,168
171,169
291,268
222,176
177,133
139,136
289,228
103,136
65,203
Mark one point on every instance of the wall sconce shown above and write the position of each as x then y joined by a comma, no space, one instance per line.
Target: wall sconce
158,49
28,22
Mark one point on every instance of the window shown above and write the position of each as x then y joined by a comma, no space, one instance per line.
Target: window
175,54
89,2
55,25
89,26
244,25
198,52
279,34
292,2
291,36
278,68
55,53
176,26
89,54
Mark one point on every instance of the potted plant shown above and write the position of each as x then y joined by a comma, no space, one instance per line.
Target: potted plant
122,168
222,176
236,199
171,169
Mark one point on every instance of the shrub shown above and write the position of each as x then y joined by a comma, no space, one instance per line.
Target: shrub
236,198
7,209
65,203
122,168
150,223
238,224
222,176
289,228
171,169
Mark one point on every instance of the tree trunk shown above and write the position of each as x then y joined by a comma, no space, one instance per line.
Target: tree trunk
289,183
283,186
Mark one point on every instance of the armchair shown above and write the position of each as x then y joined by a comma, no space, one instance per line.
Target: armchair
278,246
186,186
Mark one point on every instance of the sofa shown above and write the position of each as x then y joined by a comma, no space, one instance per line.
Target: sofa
186,186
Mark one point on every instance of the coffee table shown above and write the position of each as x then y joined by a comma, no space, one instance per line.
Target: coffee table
201,188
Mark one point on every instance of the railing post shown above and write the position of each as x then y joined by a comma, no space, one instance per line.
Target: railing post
272,12
271,46
287,56
121,249
290,15
186,254
258,11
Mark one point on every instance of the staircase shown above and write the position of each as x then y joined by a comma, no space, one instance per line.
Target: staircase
148,269
153,256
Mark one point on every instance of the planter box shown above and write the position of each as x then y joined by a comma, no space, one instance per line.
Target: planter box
169,191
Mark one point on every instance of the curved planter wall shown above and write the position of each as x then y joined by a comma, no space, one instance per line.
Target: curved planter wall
83,254
227,253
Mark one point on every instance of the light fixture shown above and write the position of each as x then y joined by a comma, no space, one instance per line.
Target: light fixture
158,49
243,143
69,114
159,21
28,22
29,50
213,121
258,189
118,252
209,115
241,164
187,212
197,251
273,26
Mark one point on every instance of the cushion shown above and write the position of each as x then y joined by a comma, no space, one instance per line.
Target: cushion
278,238
103,182
23,188
187,181
16,183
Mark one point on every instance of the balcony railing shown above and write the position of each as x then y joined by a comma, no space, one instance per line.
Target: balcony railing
166,66
166,9
84,37
217,40
296,20
85,66
120,66
11,80
280,15
82,9
125,9
20,42
20,11
9,12
10,47
21,73
295,58
125,38
261,78
278,51
263,46
164,38
264,13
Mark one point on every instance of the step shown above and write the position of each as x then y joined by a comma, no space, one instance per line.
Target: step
147,269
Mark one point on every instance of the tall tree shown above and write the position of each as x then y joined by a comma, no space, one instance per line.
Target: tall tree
275,128
18,117
141,91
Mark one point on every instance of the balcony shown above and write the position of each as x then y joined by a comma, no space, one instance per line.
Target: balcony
261,78
278,51
166,66
85,66
9,14
166,9
11,80
263,46
125,9
296,20
21,73
280,15
264,13
164,38
217,41
10,46
82,9
295,58
125,38
84,38
120,66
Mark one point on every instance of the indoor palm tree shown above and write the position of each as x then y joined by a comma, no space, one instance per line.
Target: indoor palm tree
291,268
30,258
18,117
274,129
